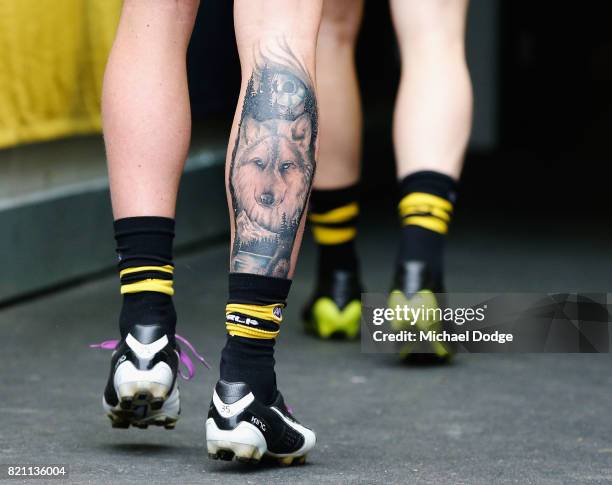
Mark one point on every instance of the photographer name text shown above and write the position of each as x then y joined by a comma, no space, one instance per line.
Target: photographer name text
442,336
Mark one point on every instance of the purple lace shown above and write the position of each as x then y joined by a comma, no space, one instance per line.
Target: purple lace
183,356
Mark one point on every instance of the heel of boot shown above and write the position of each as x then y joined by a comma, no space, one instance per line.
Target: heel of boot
244,443
145,397
142,404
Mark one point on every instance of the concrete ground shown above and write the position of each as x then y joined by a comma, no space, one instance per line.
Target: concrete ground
485,419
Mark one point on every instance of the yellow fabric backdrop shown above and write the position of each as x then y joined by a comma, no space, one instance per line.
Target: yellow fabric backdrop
52,57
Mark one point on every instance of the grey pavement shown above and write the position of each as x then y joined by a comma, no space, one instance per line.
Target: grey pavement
485,419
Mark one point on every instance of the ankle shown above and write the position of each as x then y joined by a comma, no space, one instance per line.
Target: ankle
333,216
425,210
252,362
253,319
146,271
147,309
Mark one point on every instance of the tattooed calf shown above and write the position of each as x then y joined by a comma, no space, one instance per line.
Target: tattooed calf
271,170
272,165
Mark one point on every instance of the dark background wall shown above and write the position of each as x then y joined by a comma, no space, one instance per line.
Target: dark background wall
543,113
538,154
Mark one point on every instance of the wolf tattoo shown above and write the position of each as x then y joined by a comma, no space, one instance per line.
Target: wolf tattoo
272,164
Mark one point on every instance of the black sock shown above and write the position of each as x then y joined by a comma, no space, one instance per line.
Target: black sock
425,209
333,215
144,248
253,317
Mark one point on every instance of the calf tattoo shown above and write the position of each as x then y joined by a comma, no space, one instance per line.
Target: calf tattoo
272,164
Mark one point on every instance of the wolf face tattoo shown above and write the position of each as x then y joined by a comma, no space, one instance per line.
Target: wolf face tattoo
272,164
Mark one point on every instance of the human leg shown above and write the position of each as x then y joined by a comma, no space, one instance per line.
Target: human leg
147,125
335,309
431,128
270,167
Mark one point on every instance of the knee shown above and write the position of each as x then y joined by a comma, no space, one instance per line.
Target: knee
341,21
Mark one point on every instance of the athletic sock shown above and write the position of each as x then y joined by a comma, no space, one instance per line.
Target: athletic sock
333,216
144,248
425,210
253,316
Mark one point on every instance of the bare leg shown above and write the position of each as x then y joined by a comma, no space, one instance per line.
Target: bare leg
338,91
272,150
434,104
270,167
145,105
334,308
431,128
147,128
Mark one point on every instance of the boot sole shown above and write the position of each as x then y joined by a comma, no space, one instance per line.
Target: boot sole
244,444
144,404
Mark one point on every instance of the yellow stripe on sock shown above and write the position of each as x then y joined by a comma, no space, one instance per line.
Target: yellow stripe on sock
334,216
236,330
160,286
410,210
265,312
422,198
137,269
427,222
333,235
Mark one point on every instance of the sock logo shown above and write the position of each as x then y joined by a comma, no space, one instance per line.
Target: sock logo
244,321
253,321
278,311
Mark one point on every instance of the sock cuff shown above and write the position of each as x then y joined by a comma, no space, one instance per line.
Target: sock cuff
144,225
144,249
255,305
253,321
144,242
429,182
333,236
156,285
322,201
333,215
253,289
427,201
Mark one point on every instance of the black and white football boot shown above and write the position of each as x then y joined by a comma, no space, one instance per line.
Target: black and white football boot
240,427
142,386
